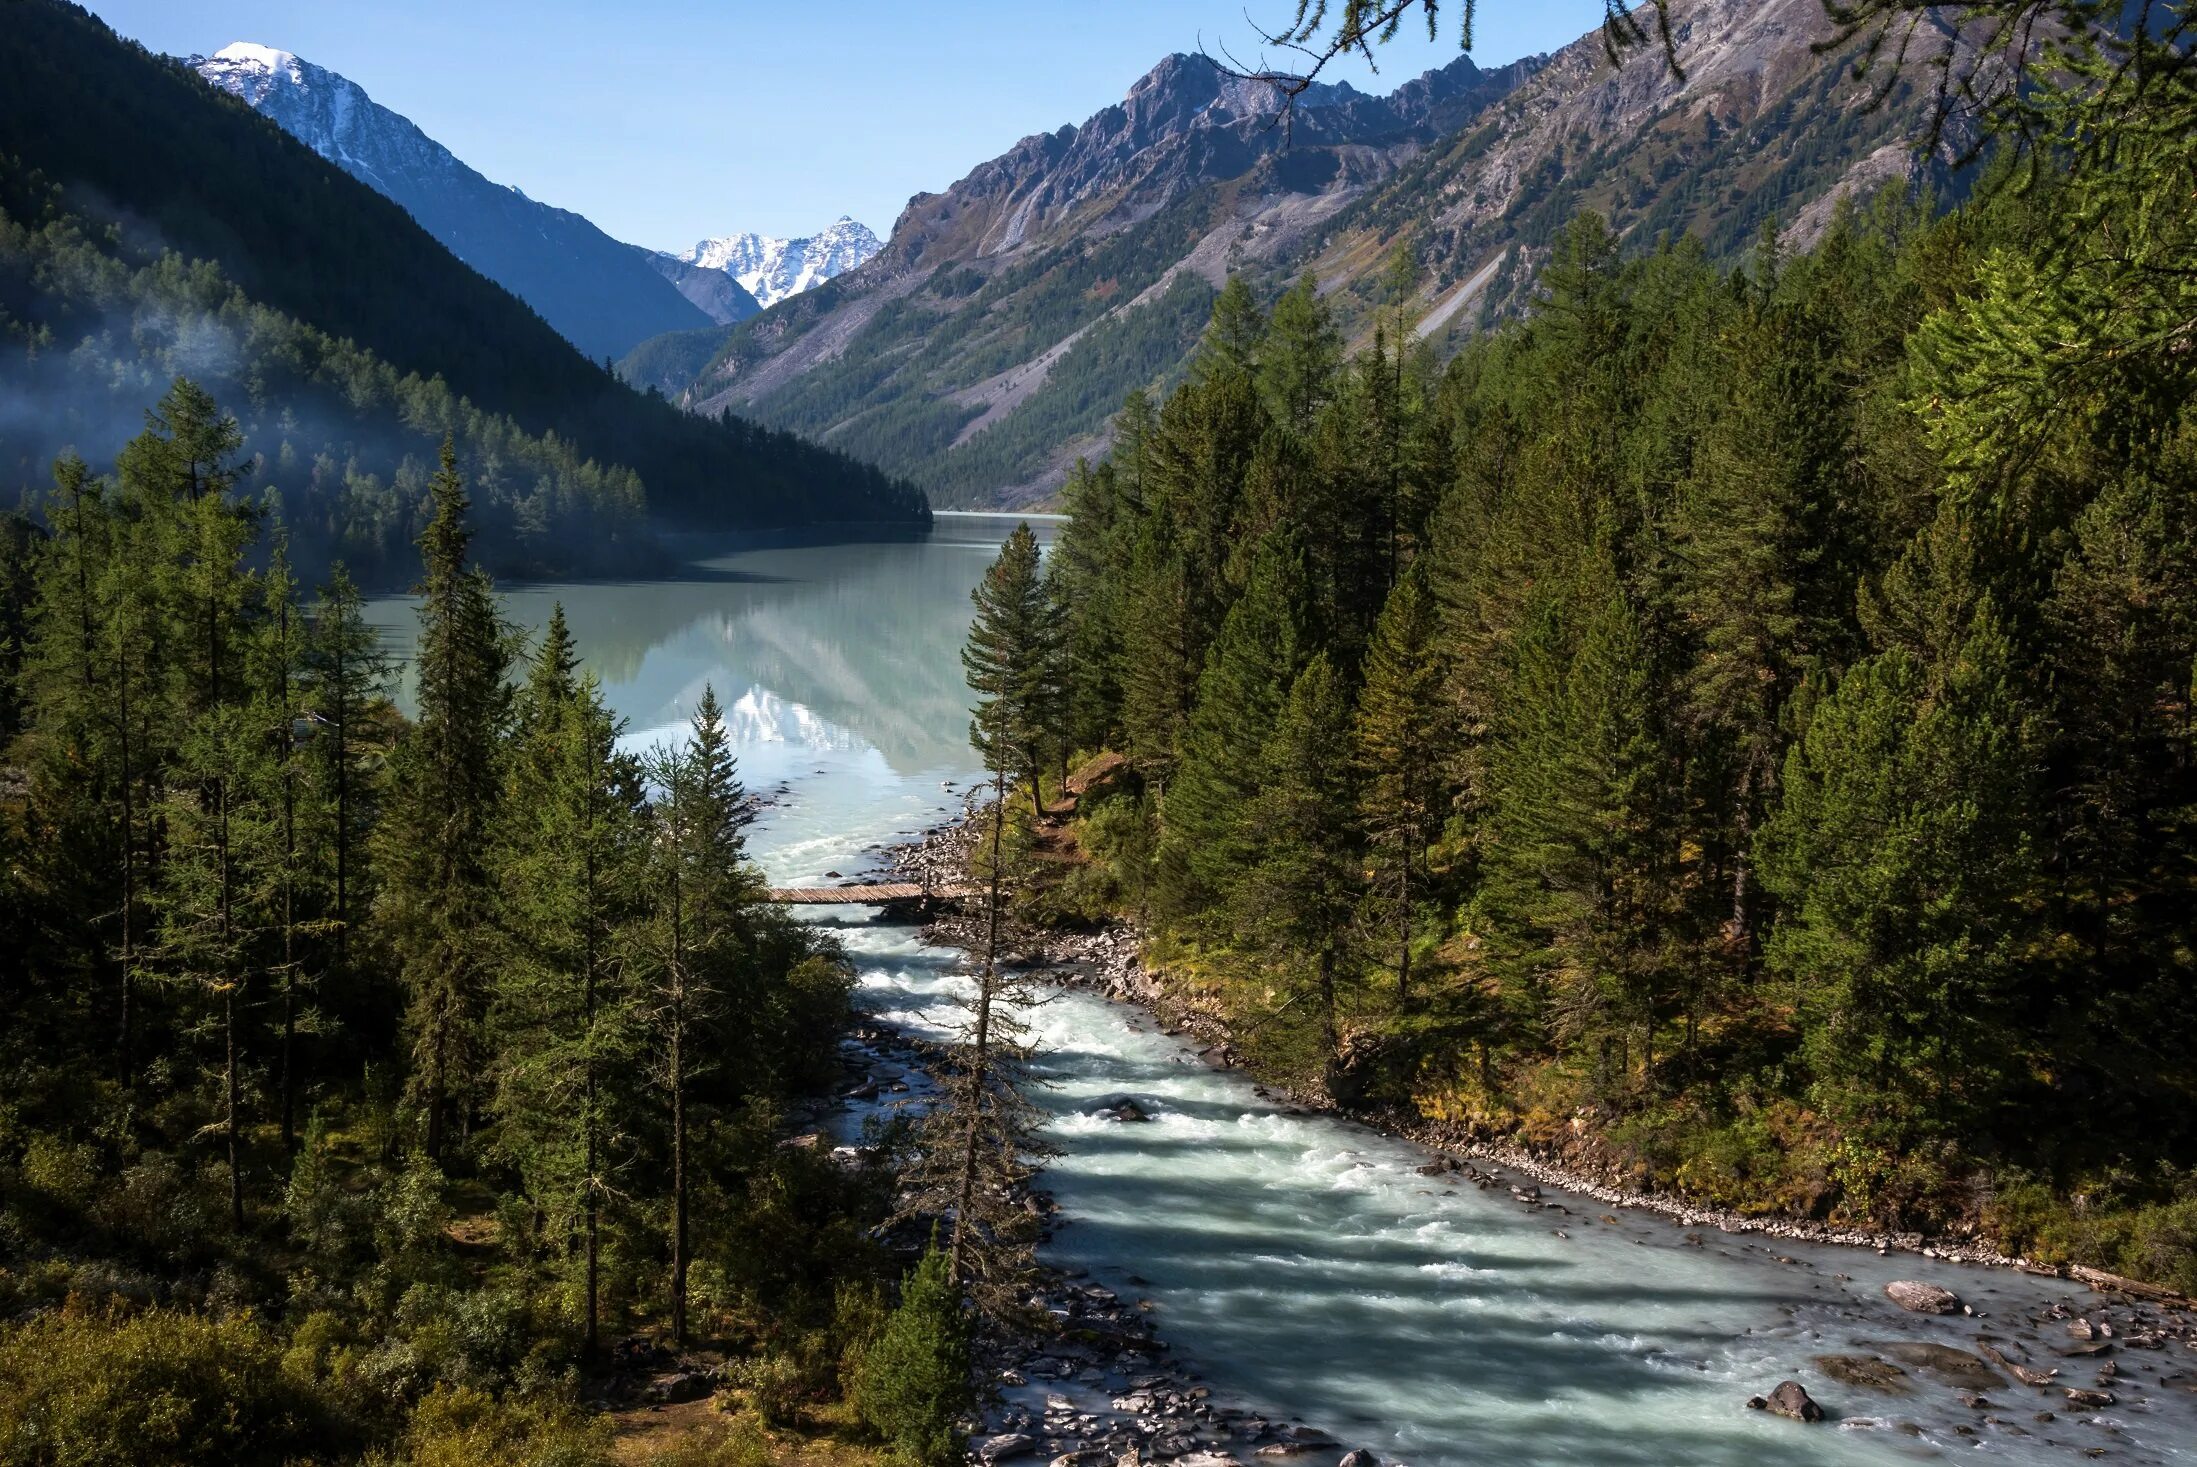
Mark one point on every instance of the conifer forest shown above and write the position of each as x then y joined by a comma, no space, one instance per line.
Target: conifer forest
1708,737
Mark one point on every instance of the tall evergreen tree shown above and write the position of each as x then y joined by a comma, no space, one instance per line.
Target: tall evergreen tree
346,678
569,861
433,842
1012,660
1399,742
703,895
1298,897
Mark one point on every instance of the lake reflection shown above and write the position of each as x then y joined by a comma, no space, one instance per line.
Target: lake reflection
823,646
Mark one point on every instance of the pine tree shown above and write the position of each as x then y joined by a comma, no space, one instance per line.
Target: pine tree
1012,661
1246,682
1300,357
1234,336
432,846
215,887
912,1382
1899,851
1576,901
975,1142
569,855
276,670
1299,893
346,676
80,860
703,894
1399,740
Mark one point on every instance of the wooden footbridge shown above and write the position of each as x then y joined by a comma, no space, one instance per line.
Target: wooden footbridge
885,894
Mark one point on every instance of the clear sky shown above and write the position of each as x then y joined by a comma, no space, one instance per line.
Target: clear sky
668,120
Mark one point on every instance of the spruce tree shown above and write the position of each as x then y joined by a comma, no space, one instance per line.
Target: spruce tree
569,863
432,846
703,895
1900,852
1012,660
276,669
1399,739
1300,357
346,679
1299,893
1246,681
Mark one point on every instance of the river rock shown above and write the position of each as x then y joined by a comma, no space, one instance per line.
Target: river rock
1866,1372
1359,1458
2089,1400
1921,1298
1004,1448
1944,1364
1122,1108
1790,1400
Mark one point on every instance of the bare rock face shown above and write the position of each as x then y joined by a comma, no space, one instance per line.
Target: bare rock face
1921,1298
1789,1400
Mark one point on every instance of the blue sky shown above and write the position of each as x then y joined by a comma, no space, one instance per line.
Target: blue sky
667,120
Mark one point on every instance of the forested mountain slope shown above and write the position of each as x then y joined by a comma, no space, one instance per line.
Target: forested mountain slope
985,348
153,168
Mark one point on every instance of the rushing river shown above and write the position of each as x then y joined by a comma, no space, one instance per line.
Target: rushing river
1302,1263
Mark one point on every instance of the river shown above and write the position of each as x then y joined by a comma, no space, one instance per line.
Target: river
1300,1262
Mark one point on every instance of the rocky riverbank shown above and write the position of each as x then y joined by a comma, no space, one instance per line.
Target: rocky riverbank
1934,1385
1109,961
1097,1387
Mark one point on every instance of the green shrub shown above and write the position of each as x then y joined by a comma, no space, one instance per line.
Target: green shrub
740,1442
779,1384
912,1384
154,1389
464,1427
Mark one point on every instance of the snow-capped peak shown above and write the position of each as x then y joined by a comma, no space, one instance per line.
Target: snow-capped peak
251,53
772,269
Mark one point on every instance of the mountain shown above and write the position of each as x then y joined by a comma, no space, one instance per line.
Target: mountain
773,269
721,297
152,225
988,344
603,296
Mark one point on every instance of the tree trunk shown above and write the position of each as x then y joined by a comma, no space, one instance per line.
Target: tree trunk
587,1065
1403,929
676,1061
979,1077
129,877
231,981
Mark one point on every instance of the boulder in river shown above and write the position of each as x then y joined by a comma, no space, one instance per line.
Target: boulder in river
1359,1458
1944,1364
1922,1298
1122,1108
1004,1448
1791,1400
2089,1400
1865,1372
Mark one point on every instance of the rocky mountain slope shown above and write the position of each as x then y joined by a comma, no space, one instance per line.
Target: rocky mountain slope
601,295
986,346
772,269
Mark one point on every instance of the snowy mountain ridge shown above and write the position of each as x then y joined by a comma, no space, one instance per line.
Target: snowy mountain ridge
772,269
600,294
